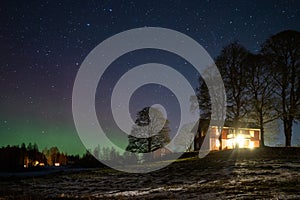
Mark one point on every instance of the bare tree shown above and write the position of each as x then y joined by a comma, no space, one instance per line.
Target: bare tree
231,63
282,53
260,86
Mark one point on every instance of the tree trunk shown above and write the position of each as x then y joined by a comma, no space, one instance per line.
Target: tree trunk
262,136
149,143
288,125
220,140
262,131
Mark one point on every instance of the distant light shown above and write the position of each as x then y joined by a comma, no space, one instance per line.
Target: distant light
36,163
56,164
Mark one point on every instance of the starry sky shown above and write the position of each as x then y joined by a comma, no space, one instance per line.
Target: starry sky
43,43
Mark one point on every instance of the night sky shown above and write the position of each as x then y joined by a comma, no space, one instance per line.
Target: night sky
42,45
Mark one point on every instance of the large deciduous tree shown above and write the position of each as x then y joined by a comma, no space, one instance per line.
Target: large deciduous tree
231,63
260,86
282,54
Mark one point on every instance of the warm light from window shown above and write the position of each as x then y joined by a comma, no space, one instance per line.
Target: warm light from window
218,143
251,145
217,132
229,143
239,140
251,133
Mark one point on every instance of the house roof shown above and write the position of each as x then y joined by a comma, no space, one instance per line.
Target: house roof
204,123
241,124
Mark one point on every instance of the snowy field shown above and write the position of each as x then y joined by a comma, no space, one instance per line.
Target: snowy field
242,174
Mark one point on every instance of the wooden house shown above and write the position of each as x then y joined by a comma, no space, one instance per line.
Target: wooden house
230,136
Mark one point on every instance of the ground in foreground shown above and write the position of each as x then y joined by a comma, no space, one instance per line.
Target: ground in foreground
272,173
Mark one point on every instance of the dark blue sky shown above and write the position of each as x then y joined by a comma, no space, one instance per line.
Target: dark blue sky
44,43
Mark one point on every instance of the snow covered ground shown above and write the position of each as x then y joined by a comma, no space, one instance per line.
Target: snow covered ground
46,171
224,175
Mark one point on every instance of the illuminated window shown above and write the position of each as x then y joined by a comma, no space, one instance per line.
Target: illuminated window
229,143
251,133
239,140
218,143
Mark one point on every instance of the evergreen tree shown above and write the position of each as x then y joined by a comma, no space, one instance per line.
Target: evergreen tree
150,132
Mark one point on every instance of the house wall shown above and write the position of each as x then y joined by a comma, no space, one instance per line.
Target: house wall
252,138
227,138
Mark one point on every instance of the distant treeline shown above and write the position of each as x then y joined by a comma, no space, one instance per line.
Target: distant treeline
24,158
21,158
